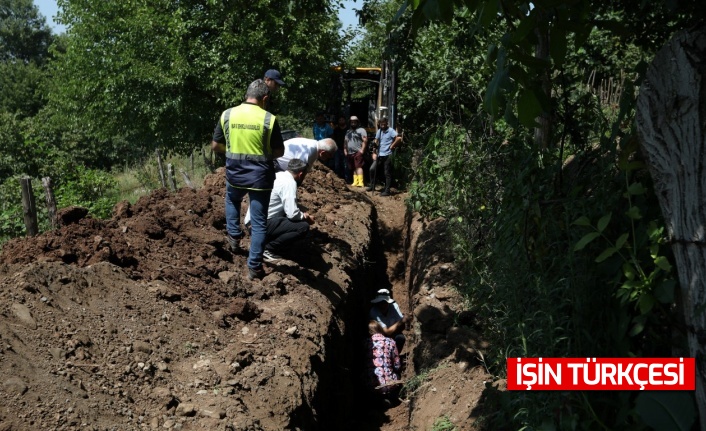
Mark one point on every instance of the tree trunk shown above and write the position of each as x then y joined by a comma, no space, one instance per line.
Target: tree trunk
207,161
29,208
671,123
542,132
51,202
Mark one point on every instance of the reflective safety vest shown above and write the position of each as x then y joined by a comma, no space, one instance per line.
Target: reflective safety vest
247,129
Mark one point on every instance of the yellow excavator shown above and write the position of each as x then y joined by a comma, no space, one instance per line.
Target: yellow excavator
366,92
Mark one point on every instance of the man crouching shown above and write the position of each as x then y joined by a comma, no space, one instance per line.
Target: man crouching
286,223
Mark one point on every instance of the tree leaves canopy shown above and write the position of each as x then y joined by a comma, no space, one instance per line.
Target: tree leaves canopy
24,34
159,72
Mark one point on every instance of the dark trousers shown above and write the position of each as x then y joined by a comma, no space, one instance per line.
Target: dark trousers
385,161
282,232
340,164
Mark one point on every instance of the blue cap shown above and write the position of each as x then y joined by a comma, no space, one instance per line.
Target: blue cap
274,75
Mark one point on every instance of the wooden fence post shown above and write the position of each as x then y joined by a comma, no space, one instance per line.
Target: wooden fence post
207,160
161,168
51,202
29,208
172,179
187,180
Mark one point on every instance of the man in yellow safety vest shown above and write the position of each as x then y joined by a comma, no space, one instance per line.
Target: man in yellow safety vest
251,139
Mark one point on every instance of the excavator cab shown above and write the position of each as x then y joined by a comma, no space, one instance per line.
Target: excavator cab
366,92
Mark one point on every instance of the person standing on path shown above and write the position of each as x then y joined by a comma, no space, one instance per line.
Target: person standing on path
273,80
339,135
251,139
388,140
322,129
354,146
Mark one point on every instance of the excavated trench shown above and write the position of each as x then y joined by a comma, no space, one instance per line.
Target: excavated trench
342,400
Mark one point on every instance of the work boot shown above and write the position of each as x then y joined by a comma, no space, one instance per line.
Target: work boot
233,243
258,273
385,193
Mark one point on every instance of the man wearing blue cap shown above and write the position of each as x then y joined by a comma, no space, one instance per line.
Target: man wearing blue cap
273,79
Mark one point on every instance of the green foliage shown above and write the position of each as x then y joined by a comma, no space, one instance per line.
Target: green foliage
403,166
414,383
73,183
520,88
22,88
637,254
666,411
89,188
158,73
455,179
11,219
436,83
24,34
24,50
141,179
380,35
443,424
564,246
12,153
299,121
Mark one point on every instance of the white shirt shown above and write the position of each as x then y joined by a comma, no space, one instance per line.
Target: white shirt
394,315
299,148
283,199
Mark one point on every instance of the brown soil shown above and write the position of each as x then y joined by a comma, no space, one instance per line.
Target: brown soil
147,321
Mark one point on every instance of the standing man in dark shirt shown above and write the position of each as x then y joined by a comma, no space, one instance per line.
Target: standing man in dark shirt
273,79
251,139
339,134
354,146
387,140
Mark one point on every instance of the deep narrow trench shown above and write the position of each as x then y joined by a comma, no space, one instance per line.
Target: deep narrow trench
343,399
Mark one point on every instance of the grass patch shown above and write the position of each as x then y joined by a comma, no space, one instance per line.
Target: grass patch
443,424
413,384
134,182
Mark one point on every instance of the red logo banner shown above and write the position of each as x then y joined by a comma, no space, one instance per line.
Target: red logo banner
605,374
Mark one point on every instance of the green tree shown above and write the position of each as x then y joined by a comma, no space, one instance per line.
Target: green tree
24,50
143,74
379,33
512,198
24,34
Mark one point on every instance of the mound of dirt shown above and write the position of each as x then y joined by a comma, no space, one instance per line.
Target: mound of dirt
147,321
449,379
